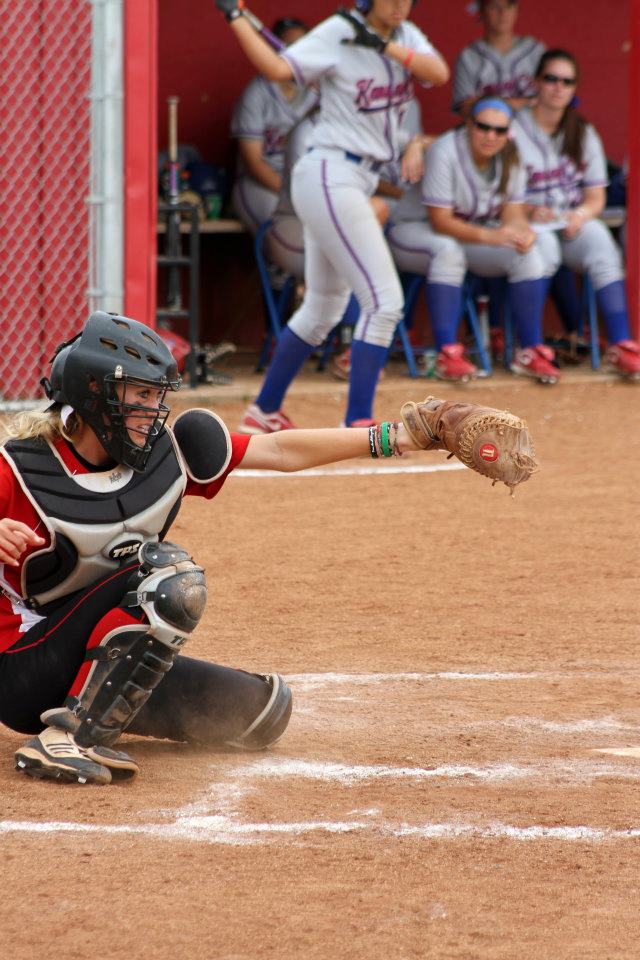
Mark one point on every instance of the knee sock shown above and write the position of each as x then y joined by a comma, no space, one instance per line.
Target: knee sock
612,301
367,360
290,353
526,300
445,306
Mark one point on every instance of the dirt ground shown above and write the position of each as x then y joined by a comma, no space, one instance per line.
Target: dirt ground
457,658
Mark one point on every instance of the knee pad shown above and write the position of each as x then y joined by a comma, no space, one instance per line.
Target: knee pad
172,591
272,721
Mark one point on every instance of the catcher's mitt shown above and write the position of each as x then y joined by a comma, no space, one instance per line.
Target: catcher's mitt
495,443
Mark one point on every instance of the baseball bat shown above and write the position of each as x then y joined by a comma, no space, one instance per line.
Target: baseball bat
260,28
174,292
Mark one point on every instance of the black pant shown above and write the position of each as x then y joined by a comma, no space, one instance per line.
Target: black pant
195,701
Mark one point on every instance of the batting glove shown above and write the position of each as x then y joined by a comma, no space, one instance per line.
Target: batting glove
230,8
364,37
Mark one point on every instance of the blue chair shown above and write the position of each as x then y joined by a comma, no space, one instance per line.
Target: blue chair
276,301
412,284
590,308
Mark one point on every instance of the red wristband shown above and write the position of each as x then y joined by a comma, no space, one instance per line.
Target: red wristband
409,57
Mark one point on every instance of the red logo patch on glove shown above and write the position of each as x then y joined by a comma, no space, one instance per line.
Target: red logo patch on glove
489,452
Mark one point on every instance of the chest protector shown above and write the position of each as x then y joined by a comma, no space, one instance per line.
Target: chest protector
94,520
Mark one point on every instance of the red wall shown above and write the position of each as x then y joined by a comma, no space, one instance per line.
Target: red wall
202,64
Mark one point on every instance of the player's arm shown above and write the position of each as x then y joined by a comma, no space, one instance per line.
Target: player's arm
387,189
514,216
257,166
444,220
266,61
426,67
593,201
292,450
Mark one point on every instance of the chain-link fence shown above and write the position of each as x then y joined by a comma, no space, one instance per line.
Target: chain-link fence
45,122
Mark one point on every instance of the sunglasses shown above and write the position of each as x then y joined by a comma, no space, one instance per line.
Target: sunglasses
488,128
553,78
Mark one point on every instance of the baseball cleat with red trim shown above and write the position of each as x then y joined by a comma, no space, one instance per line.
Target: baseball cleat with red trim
624,357
54,755
341,365
537,363
451,364
255,420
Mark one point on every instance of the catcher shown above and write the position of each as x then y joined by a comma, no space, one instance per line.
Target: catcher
96,604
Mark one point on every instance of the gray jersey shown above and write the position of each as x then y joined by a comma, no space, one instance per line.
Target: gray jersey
452,180
553,180
264,113
411,126
363,96
480,69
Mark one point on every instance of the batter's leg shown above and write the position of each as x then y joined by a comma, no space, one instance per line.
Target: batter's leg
326,297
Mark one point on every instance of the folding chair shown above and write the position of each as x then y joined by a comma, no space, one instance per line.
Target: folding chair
276,301
412,284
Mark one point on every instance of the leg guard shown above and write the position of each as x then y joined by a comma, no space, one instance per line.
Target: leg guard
270,724
131,660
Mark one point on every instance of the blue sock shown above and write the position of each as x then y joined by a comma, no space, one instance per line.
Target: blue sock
612,301
290,353
445,306
564,294
526,301
367,360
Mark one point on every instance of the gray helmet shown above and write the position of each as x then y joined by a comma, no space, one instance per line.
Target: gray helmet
92,371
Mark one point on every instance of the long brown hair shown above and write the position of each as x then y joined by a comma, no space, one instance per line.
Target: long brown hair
572,126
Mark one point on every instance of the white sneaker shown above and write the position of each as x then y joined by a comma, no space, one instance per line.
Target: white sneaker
55,755
255,420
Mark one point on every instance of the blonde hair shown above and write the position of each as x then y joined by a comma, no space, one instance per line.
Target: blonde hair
42,425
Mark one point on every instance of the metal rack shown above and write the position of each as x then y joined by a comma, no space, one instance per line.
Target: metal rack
175,259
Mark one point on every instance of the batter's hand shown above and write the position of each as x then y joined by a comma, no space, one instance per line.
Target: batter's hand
231,8
15,537
364,37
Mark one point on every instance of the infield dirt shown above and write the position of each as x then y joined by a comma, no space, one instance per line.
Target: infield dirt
456,658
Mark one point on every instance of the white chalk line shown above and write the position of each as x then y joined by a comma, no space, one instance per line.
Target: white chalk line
569,771
215,820
310,681
221,829
352,471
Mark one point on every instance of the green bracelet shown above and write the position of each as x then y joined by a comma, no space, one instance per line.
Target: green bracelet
384,439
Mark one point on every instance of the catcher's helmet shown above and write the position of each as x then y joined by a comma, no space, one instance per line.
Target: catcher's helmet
92,371
364,6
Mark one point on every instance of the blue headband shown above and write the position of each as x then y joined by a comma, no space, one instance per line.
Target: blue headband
492,103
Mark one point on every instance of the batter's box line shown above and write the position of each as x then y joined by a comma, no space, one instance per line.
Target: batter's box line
224,830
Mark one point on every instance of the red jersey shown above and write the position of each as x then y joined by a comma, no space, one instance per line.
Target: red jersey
15,617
